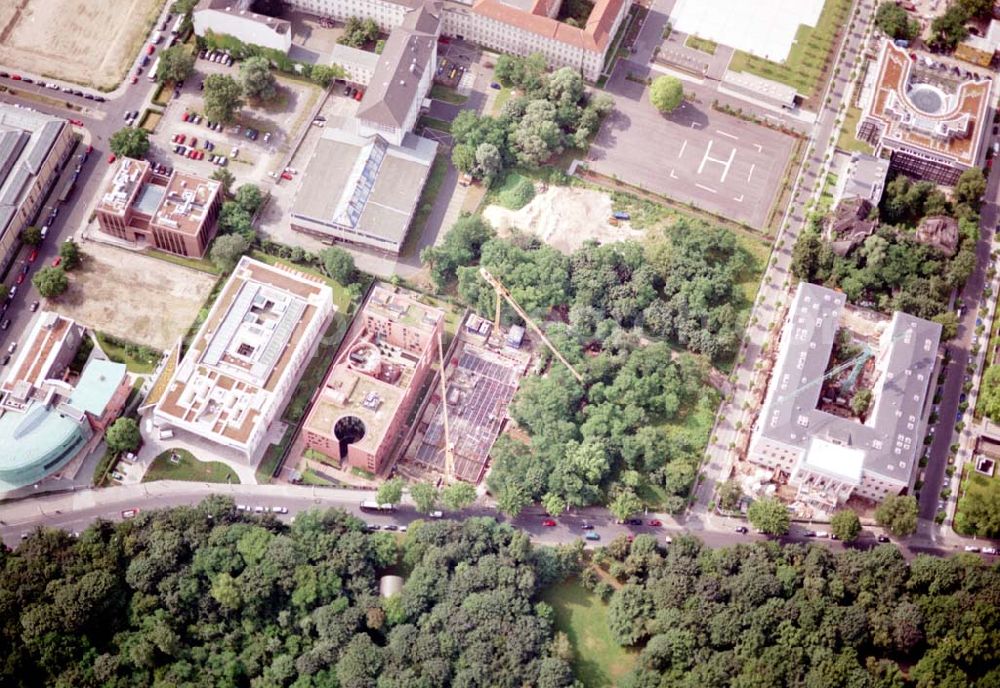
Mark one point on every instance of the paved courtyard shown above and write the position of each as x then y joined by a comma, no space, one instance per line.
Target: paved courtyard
695,155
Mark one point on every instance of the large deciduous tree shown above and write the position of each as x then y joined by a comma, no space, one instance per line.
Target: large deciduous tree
123,435
176,64
257,80
898,514
666,93
769,515
223,98
50,281
130,142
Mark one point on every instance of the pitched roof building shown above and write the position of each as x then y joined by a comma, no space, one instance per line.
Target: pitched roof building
827,455
933,127
33,147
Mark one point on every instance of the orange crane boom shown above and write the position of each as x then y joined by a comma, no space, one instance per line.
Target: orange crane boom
501,291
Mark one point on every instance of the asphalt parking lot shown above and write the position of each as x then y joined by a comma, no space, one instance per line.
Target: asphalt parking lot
695,155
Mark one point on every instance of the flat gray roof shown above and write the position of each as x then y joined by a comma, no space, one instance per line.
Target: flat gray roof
866,177
891,437
149,198
364,184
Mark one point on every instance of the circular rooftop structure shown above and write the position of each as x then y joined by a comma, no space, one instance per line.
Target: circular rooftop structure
930,100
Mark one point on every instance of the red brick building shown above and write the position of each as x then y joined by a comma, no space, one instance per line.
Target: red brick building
175,213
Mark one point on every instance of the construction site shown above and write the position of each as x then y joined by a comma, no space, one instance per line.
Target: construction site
483,371
843,406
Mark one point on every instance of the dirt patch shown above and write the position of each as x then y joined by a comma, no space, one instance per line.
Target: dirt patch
564,217
83,41
132,296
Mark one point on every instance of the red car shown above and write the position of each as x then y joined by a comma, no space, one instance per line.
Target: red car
655,522
135,79
186,116
286,176
548,523
57,261
76,122
194,141
181,138
150,49
15,77
20,278
111,158
33,255
360,95
90,149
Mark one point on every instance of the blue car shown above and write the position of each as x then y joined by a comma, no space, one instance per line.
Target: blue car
592,536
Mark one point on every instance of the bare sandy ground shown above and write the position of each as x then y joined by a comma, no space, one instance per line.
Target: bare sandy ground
144,300
564,217
90,42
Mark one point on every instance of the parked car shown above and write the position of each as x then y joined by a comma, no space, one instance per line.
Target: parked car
5,360
436,514
655,522
587,526
742,530
129,513
592,536
33,256
5,324
882,538
34,306
633,521
989,550
57,262
13,347
549,523
971,548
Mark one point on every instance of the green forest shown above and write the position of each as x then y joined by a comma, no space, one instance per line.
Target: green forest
763,615
207,596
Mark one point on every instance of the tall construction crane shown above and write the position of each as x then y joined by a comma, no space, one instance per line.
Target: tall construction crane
857,362
449,455
501,291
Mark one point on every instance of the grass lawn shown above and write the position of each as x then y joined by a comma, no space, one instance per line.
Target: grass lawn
341,295
598,660
502,97
982,489
136,362
846,141
702,44
809,56
202,264
515,192
448,95
431,189
188,468
438,124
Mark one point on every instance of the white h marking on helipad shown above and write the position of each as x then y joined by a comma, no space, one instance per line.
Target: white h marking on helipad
706,188
758,147
683,147
707,158
722,133
750,174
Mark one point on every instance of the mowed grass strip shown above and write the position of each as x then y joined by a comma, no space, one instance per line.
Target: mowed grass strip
598,661
809,55
189,468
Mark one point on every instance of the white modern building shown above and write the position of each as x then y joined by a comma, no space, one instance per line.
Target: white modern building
243,365
234,18
828,456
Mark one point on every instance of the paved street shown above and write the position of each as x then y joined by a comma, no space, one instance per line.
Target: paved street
74,511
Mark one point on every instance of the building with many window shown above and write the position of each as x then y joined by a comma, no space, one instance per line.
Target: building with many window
804,435
33,148
359,414
242,367
931,123
235,18
517,27
48,415
175,213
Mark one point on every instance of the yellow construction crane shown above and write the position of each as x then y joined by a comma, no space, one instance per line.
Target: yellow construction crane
449,456
501,291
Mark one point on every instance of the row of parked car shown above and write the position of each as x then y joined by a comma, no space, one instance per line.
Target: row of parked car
217,56
54,87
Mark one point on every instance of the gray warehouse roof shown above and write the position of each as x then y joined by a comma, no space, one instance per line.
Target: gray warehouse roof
891,436
363,185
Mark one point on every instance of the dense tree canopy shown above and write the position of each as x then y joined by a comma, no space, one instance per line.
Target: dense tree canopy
50,281
203,597
130,142
891,270
666,93
223,98
257,79
894,21
898,514
548,113
176,64
765,615
461,246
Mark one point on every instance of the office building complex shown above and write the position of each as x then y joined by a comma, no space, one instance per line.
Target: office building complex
47,416
359,413
174,213
243,364
33,148
929,122
806,432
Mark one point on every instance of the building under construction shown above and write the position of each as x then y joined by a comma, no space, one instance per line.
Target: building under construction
481,377
808,431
